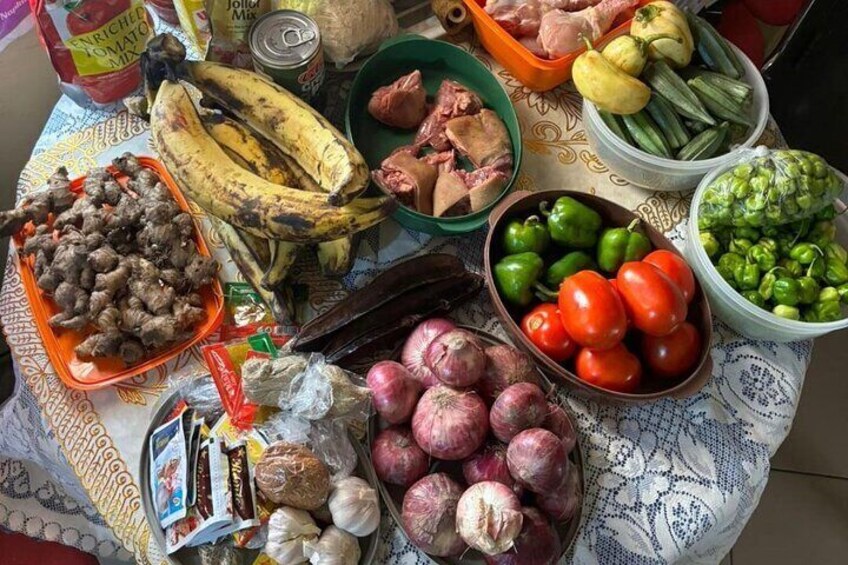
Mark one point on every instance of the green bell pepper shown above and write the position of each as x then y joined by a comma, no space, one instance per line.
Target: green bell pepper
530,235
829,294
516,277
740,246
572,223
570,264
805,253
710,243
835,251
836,272
765,259
822,233
808,290
754,297
820,312
793,267
788,312
747,276
620,245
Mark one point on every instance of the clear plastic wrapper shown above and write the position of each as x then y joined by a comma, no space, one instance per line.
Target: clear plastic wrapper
331,444
203,397
325,391
769,188
348,29
285,426
218,554
265,381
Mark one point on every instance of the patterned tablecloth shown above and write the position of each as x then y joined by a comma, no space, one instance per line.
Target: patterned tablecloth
674,481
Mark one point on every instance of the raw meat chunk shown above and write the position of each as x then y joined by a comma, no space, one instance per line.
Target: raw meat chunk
519,18
560,32
402,104
409,179
482,138
452,100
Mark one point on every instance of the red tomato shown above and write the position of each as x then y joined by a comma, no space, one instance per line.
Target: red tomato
677,270
591,310
775,12
655,304
613,369
614,284
673,355
738,26
90,15
544,328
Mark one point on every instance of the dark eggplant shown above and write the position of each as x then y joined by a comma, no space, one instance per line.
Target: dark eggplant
417,272
379,328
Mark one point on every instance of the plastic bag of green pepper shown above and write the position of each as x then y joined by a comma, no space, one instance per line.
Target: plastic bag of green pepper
770,188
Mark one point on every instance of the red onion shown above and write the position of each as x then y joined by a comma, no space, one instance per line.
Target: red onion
489,464
505,366
397,458
416,344
537,544
560,424
393,391
561,503
521,406
456,358
429,515
489,517
537,460
450,424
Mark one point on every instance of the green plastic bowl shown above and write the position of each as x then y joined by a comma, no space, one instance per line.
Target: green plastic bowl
437,60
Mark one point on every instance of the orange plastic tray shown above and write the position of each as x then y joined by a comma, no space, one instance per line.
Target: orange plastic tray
533,72
60,344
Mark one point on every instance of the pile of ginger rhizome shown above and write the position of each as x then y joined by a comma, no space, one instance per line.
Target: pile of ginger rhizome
121,261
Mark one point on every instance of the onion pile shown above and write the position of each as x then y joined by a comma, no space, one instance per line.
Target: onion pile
468,390
416,345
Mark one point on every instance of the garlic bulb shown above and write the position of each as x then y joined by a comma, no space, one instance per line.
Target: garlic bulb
334,547
355,507
288,531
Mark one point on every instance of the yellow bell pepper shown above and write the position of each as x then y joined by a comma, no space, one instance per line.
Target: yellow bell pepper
607,86
665,18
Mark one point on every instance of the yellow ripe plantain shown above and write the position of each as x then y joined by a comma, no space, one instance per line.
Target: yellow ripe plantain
236,138
290,124
237,196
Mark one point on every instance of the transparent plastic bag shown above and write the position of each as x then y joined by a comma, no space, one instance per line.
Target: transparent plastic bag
769,188
348,29
291,474
326,391
285,426
331,444
265,381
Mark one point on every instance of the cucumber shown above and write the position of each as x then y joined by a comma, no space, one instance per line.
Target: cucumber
713,48
740,91
705,144
719,103
668,121
674,89
613,122
646,134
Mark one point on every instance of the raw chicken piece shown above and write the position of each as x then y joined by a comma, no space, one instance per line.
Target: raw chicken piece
519,18
402,104
560,32
452,100
482,138
532,44
459,192
410,180
567,5
445,161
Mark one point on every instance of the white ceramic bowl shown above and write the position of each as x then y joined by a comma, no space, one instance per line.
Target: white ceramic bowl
746,318
657,173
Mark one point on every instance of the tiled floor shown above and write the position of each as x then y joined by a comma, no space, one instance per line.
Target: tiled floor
803,515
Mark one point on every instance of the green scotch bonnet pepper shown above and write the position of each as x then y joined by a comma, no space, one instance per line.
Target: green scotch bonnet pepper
620,245
572,223
530,235
516,277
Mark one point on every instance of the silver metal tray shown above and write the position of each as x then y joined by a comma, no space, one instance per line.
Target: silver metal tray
393,494
189,555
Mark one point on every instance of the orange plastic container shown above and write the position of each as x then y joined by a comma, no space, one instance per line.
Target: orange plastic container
60,344
533,72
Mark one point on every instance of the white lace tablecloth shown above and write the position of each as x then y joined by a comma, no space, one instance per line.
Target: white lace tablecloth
673,481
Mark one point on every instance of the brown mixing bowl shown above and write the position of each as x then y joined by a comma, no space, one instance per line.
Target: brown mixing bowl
522,204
